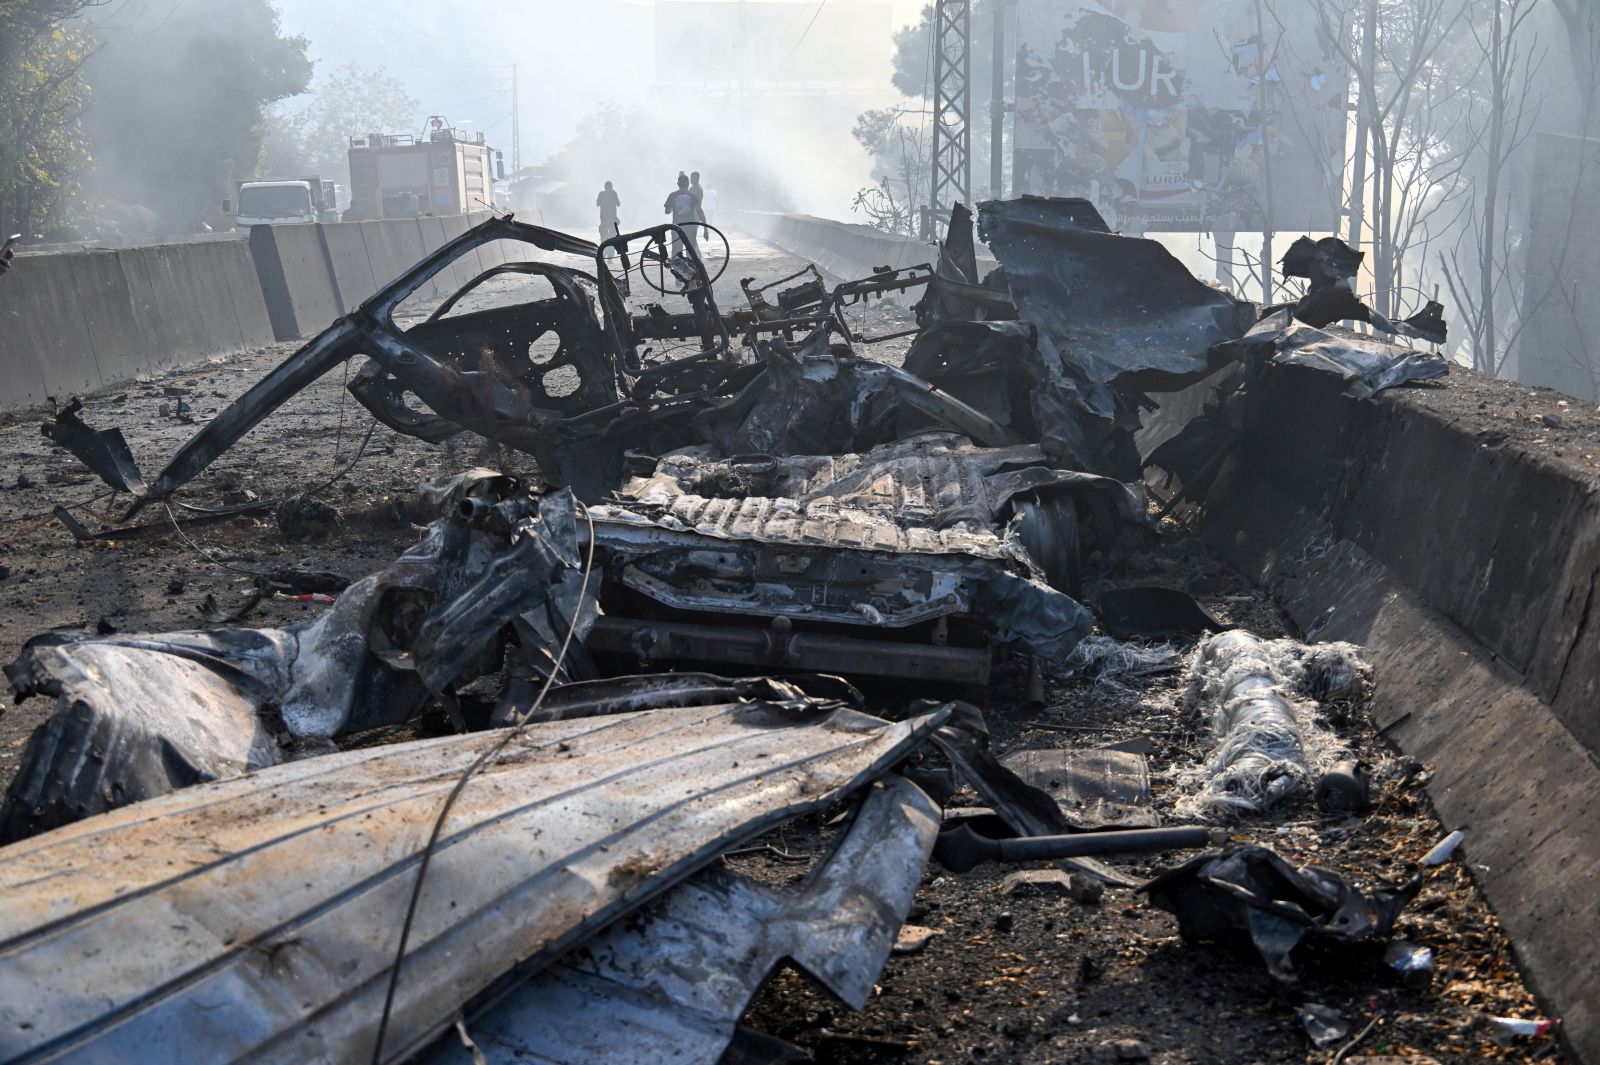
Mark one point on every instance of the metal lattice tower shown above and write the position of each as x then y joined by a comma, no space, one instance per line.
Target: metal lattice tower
952,107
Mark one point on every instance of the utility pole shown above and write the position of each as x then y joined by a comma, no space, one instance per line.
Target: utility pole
1358,169
997,104
952,108
744,84
1266,160
516,126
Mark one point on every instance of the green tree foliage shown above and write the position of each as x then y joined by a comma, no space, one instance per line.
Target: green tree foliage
353,101
181,89
42,94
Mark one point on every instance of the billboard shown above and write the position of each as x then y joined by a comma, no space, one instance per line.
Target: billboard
1153,108
768,41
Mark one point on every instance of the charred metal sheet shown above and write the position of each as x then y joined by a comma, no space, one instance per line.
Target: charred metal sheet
957,294
669,983
781,647
139,715
1152,613
1025,809
1371,366
104,451
620,695
820,399
1114,315
1331,266
1110,305
1251,894
990,365
259,917
1095,789
1324,263
901,535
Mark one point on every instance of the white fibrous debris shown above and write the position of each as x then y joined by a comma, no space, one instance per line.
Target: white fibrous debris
1261,702
1105,660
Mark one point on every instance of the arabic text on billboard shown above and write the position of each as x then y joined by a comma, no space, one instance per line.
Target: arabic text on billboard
1153,109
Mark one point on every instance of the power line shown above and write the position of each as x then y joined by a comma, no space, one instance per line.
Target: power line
820,5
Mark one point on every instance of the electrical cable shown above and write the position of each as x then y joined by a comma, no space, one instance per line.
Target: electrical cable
65,506
489,753
807,33
215,560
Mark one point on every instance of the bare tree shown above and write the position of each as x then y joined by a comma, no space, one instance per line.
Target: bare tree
1487,296
1408,159
901,166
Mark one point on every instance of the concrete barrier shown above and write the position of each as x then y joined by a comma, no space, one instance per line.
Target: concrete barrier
433,238
120,343
190,301
1471,573
841,248
45,325
296,279
393,246
346,249
72,322
464,269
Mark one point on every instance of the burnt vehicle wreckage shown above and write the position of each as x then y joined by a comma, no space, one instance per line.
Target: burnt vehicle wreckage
774,504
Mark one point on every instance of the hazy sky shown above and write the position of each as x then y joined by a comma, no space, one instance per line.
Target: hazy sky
572,55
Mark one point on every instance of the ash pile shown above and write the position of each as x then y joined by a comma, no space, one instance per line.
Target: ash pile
650,635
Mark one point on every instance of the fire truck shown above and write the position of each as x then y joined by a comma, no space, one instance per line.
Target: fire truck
400,176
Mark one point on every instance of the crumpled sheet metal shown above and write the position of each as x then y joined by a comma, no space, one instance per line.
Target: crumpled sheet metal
988,364
259,917
707,571
1371,366
1111,305
670,982
897,536
1095,789
818,399
1253,894
1331,265
934,482
139,715
104,451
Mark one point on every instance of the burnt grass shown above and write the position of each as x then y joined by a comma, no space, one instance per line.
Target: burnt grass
1003,979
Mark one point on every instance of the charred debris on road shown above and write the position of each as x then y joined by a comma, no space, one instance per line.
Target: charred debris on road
773,504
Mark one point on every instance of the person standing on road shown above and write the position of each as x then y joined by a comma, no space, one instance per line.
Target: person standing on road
708,206
685,210
699,195
608,201
5,261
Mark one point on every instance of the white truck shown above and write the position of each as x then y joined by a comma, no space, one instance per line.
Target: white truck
282,201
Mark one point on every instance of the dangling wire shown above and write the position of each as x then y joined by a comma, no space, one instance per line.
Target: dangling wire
488,755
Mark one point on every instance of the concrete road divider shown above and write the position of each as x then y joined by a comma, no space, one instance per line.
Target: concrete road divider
72,322
1471,574
841,248
346,249
296,279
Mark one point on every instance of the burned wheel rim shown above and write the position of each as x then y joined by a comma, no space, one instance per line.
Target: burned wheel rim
1049,532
